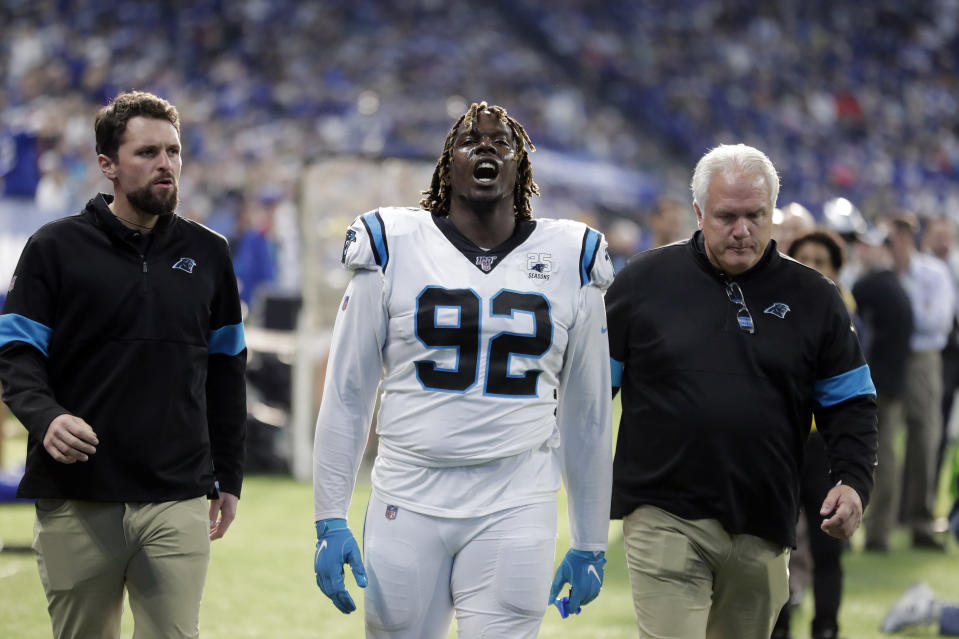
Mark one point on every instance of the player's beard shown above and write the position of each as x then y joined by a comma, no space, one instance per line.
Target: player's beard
148,202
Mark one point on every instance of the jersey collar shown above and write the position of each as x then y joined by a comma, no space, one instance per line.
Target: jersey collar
485,261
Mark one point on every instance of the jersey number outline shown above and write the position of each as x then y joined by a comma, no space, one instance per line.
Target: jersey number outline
465,337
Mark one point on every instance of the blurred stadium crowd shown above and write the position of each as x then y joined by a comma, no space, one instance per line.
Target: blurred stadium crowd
852,99
848,98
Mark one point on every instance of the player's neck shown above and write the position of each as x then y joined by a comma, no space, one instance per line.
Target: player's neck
485,227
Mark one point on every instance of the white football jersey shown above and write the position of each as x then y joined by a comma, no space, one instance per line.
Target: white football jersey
474,349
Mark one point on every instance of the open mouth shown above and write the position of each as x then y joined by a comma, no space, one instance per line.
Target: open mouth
485,171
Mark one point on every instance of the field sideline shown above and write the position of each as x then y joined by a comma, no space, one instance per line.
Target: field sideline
261,584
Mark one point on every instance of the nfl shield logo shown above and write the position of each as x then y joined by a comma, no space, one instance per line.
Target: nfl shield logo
391,512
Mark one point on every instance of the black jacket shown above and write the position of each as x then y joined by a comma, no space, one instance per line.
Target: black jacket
143,339
886,312
715,419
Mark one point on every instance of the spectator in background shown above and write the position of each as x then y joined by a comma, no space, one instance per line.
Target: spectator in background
885,310
122,353
273,108
286,238
790,222
668,222
845,219
939,239
253,256
931,293
724,350
53,194
623,236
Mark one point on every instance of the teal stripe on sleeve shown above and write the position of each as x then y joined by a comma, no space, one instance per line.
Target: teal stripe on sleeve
590,246
616,371
374,226
834,390
227,340
17,328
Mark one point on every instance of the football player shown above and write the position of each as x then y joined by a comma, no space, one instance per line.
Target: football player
485,330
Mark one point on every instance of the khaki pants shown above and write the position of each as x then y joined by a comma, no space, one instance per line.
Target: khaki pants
923,407
693,580
87,552
880,516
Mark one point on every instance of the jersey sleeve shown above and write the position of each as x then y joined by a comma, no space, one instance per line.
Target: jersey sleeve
618,304
845,402
584,415
596,268
26,328
365,246
353,374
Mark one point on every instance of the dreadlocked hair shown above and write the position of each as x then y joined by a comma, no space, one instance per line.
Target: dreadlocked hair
437,198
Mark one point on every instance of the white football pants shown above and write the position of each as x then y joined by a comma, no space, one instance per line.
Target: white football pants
493,571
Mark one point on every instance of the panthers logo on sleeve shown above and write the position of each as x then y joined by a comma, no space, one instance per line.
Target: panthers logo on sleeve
366,246
350,238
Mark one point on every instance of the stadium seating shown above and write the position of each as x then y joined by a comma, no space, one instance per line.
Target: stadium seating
856,99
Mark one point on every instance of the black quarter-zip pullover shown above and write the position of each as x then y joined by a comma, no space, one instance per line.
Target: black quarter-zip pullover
139,335
715,418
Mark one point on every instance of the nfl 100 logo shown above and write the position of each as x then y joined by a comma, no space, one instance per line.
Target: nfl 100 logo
485,262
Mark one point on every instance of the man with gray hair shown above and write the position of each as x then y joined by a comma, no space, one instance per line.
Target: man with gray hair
725,350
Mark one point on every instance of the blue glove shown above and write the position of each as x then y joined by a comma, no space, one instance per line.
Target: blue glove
583,571
336,546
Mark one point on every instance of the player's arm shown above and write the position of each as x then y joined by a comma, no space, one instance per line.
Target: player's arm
26,329
584,415
226,397
342,427
353,374
845,410
618,302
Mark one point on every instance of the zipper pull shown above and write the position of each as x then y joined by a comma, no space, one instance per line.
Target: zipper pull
144,266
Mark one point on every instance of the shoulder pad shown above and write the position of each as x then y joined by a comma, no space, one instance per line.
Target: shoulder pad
373,235
365,246
595,267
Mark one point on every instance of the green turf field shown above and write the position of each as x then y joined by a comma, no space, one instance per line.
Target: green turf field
261,584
